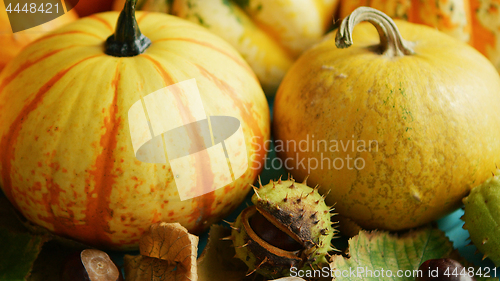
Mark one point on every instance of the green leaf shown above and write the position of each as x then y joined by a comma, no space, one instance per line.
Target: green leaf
19,251
380,252
30,252
19,247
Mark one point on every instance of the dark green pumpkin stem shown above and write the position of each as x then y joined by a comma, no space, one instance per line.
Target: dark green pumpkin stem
128,41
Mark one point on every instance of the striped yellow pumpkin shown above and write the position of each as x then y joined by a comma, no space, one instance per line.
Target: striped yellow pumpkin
476,22
66,157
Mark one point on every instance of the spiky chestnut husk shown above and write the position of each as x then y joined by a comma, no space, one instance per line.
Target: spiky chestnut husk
482,218
297,211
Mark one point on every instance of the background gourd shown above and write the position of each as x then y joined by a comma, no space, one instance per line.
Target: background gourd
476,22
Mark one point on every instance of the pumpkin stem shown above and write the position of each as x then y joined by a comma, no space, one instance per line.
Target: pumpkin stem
127,41
391,42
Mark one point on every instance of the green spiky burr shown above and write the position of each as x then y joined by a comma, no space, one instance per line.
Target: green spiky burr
288,226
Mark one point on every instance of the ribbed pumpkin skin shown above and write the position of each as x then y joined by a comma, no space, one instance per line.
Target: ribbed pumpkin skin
434,116
67,161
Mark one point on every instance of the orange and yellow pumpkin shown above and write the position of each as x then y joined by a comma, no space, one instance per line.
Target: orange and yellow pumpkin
476,22
66,156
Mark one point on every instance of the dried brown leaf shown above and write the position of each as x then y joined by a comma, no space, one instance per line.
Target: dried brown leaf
142,268
168,252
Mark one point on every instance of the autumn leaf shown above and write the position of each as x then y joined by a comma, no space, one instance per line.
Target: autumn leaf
372,254
139,268
171,242
168,252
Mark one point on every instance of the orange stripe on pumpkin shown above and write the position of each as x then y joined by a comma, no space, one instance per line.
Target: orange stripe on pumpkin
26,65
245,111
8,142
203,209
143,15
258,149
105,22
97,211
482,37
48,36
237,60
166,77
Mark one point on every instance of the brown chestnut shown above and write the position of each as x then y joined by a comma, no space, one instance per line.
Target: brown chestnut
271,234
445,269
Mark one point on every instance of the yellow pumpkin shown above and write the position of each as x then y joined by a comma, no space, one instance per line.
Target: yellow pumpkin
476,22
269,34
13,43
66,156
399,130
